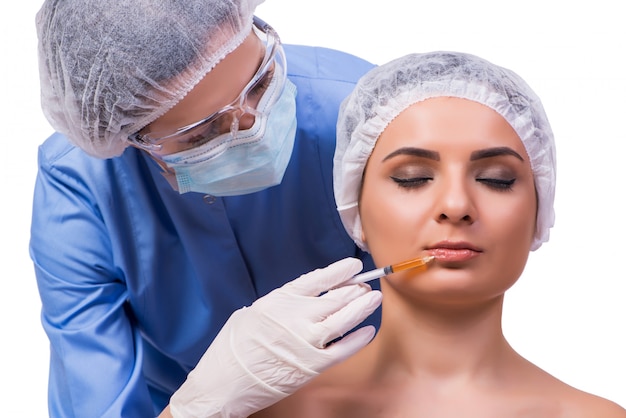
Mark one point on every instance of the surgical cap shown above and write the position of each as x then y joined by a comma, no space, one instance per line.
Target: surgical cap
384,92
108,67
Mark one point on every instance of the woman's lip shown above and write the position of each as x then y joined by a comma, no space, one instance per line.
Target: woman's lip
454,245
453,254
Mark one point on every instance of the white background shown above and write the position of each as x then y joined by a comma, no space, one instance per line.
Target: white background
566,314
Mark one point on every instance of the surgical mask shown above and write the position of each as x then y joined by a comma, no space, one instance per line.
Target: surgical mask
253,160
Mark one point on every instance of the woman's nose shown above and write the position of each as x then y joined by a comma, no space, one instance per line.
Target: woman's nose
446,216
456,203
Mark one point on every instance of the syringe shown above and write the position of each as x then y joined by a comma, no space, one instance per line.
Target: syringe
416,263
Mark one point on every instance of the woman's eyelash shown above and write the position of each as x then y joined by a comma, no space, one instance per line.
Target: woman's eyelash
412,182
494,183
500,184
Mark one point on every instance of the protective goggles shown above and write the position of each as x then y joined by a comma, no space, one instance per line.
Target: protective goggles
226,120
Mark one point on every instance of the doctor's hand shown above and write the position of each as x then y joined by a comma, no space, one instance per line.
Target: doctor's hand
268,350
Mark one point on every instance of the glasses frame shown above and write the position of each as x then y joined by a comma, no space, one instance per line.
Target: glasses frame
239,106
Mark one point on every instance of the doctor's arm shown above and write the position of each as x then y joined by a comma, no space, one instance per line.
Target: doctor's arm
95,353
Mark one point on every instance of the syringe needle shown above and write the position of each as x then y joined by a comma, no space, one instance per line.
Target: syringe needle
415,263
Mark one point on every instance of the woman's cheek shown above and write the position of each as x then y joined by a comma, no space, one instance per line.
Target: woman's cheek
389,225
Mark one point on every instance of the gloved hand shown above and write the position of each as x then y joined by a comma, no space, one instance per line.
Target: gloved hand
268,350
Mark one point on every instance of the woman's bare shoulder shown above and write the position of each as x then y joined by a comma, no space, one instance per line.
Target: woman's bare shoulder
331,394
592,406
580,404
312,401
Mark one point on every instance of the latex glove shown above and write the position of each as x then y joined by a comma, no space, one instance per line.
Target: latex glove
268,350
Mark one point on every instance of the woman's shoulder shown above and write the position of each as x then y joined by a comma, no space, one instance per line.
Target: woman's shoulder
333,393
586,405
573,402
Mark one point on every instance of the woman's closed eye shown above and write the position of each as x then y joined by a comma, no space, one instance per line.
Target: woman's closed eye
410,182
497,177
494,183
412,176
497,183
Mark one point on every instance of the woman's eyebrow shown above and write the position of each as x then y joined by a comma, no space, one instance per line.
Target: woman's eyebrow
416,152
494,152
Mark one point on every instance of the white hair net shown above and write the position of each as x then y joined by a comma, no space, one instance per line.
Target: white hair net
108,67
387,90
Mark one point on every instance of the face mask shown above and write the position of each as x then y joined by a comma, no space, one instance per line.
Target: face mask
255,160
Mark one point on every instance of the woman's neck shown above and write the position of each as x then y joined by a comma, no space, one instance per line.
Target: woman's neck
436,342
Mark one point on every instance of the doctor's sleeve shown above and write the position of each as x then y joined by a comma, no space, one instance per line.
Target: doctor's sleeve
95,353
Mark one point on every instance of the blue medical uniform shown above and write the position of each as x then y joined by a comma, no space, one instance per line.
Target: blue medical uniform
136,280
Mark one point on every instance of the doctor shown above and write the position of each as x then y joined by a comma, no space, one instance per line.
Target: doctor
184,211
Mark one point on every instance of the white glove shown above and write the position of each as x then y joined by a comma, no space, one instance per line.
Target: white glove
268,350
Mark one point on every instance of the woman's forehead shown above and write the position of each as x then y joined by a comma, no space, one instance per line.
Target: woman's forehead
444,120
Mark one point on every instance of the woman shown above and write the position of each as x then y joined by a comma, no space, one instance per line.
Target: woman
444,154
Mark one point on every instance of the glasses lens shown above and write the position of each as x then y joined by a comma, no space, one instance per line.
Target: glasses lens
220,124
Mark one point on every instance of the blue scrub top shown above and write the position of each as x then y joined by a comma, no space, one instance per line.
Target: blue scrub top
136,280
